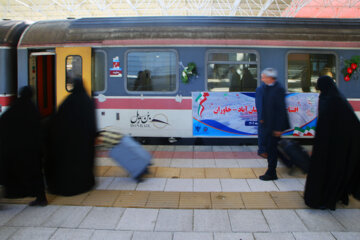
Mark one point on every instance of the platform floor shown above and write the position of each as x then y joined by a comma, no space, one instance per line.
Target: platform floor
191,193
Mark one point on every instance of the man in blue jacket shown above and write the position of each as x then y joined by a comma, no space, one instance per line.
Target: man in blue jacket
258,102
274,117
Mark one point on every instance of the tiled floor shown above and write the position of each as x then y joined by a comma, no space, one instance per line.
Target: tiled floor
191,193
68,222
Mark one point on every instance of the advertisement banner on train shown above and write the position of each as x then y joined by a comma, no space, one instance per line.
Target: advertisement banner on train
229,114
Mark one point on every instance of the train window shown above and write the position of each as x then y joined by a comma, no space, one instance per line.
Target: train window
305,68
98,71
232,71
73,70
151,71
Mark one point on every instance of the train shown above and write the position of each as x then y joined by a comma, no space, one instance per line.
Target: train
183,77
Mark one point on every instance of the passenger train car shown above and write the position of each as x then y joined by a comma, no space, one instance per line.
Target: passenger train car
10,32
153,76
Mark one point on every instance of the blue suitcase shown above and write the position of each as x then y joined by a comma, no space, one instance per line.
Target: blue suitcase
130,155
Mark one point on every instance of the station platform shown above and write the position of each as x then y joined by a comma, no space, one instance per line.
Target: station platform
191,193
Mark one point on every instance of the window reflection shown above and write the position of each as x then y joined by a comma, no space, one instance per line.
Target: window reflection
73,70
232,71
98,71
151,71
304,69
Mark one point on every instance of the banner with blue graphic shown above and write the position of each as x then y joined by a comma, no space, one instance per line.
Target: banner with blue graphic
229,114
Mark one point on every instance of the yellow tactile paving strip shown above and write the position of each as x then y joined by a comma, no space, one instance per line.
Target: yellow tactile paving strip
242,173
163,200
226,200
192,173
288,200
171,172
258,200
195,200
74,200
133,199
183,200
114,172
101,198
217,173
166,172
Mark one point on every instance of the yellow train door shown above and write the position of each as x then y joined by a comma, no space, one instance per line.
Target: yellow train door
72,63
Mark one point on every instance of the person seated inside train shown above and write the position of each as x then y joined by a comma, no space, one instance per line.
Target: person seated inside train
305,80
248,81
326,71
143,81
235,83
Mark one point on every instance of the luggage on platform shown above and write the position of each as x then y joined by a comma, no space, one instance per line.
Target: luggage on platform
130,155
294,154
108,138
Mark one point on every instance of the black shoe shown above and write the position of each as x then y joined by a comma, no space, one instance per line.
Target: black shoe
267,177
38,202
263,155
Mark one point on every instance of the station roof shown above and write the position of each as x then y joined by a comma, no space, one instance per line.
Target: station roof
61,9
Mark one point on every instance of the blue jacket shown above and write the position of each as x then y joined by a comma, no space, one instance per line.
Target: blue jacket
273,110
259,93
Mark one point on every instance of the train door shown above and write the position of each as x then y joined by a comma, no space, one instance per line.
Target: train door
42,80
72,63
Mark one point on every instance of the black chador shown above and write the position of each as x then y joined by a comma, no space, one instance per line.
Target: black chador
21,150
71,152
335,162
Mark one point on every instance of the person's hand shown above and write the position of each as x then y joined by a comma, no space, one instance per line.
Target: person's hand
261,121
277,133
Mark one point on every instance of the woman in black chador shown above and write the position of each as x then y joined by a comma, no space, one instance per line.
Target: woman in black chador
70,159
21,150
335,161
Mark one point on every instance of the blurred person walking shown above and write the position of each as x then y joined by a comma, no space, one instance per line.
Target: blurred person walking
21,150
274,117
335,160
259,94
70,152
235,83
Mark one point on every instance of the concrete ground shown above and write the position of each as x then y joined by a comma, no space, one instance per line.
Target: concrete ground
191,193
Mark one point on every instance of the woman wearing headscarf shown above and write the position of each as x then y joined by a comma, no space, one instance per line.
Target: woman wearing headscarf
21,150
71,151
335,161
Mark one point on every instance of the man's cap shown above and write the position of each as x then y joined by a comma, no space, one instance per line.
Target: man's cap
270,72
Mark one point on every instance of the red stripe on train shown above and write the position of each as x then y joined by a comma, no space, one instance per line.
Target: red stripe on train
127,103
6,100
185,104
355,105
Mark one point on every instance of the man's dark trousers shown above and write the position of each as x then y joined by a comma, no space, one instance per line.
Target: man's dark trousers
272,151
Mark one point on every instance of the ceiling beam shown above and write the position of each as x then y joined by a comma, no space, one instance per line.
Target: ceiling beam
234,7
163,7
265,7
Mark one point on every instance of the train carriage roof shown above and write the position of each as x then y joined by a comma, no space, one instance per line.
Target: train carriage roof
98,30
10,32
